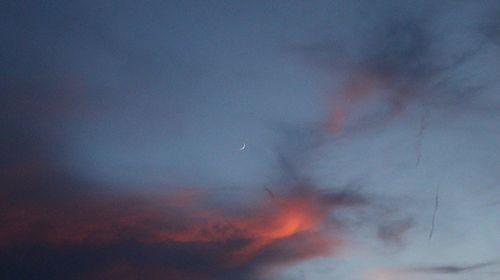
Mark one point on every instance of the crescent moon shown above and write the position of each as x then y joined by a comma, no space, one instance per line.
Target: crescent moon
243,147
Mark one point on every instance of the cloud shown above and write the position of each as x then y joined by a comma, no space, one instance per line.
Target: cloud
401,58
408,273
57,226
451,269
395,231
489,28
178,233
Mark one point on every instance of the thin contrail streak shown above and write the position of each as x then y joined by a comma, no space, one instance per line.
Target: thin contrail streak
436,206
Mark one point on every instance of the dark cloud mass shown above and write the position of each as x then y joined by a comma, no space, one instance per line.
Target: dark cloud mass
177,235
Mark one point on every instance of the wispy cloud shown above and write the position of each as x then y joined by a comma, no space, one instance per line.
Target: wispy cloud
451,269
402,58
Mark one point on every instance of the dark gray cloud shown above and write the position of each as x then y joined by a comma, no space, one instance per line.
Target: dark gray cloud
490,28
452,269
394,232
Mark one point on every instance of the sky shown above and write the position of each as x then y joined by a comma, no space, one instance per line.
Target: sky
267,140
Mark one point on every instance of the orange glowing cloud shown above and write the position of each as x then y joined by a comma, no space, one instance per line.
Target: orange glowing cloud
289,228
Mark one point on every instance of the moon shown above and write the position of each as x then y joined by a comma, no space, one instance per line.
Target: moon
243,147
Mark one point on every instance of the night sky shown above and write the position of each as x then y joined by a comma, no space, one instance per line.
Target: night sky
267,140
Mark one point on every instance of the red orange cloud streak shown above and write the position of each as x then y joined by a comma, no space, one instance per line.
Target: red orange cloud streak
244,234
